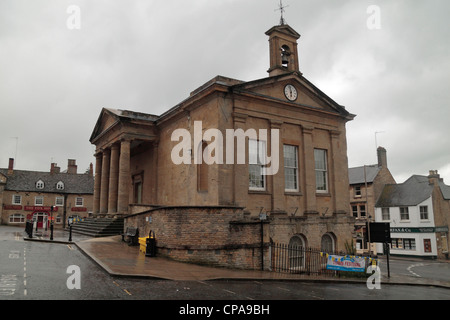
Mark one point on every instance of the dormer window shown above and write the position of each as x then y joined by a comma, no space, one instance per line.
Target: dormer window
60,185
40,184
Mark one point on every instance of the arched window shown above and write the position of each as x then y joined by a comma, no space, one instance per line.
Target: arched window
296,253
202,168
40,184
327,243
60,185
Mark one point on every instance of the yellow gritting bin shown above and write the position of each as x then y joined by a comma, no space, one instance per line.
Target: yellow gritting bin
143,244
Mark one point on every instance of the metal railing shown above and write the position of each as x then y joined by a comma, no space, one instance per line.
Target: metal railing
310,261
296,259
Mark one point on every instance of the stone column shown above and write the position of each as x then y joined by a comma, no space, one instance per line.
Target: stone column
339,174
113,179
278,186
104,186
124,177
97,182
240,179
310,170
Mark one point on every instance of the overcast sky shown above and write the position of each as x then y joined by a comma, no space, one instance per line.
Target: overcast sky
148,56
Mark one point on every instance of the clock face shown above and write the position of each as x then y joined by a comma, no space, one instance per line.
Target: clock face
290,92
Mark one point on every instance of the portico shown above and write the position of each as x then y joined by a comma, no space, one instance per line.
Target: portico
116,133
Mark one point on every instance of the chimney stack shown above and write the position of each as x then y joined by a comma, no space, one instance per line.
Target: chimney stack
382,157
11,166
91,170
72,167
434,177
54,168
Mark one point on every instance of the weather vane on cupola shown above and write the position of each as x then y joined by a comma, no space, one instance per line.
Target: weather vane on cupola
281,9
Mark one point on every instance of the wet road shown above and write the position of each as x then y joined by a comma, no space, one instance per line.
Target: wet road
32,270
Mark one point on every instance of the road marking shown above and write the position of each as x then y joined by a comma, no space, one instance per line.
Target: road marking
229,291
14,254
25,292
283,289
127,292
413,266
8,283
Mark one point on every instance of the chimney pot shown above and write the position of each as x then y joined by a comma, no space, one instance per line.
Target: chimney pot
434,177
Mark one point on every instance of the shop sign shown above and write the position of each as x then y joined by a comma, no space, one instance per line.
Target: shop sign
79,209
12,207
419,230
40,208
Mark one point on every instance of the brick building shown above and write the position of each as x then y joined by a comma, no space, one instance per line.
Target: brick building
27,195
366,184
202,199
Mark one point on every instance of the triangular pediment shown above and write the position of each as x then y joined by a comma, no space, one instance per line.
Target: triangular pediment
106,120
306,94
284,29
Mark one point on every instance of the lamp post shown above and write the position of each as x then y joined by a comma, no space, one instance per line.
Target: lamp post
51,223
262,218
70,222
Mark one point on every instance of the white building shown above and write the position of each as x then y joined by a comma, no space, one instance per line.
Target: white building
418,212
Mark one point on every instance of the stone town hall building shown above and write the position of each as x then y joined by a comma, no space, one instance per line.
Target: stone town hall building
208,211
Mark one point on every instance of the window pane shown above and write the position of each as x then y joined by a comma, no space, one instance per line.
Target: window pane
320,159
257,152
290,167
321,180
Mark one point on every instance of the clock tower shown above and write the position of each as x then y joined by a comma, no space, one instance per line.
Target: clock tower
283,50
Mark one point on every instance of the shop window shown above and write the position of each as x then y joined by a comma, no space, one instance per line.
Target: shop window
17,218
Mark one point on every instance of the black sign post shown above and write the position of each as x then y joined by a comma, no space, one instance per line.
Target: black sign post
380,232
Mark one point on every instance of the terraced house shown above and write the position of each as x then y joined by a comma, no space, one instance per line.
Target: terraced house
30,195
209,211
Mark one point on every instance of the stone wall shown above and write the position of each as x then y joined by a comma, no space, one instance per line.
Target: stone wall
212,235
311,228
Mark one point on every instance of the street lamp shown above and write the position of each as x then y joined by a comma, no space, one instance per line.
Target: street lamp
70,222
262,218
51,223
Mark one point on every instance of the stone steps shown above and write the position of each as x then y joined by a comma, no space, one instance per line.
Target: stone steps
99,227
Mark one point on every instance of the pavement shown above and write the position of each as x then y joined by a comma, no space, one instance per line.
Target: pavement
121,260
